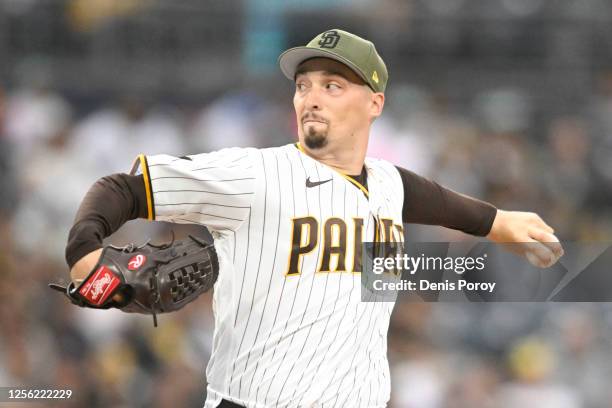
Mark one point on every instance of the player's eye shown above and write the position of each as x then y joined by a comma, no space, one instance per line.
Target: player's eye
300,86
333,86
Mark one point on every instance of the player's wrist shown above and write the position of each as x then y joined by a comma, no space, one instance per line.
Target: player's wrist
84,266
496,233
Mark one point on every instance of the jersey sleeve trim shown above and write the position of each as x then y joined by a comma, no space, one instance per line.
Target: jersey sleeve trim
141,161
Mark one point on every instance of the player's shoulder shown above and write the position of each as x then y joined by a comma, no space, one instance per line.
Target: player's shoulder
247,157
381,165
278,152
289,147
251,151
383,172
229,155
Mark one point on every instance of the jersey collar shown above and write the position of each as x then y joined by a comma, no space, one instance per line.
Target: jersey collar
349,178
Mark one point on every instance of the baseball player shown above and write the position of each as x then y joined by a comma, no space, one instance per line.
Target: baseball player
288,225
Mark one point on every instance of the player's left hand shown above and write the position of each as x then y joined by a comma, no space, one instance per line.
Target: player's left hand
528,235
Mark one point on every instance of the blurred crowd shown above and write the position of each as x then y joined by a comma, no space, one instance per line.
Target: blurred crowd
497,143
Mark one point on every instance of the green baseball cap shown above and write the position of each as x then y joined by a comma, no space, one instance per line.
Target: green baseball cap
355,52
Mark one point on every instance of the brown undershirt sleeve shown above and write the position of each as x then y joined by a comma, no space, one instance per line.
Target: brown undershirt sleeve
426,202
110,202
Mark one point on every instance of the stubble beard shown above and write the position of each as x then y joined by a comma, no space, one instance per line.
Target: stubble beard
315,139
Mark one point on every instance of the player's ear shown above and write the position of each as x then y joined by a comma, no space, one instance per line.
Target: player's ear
377,102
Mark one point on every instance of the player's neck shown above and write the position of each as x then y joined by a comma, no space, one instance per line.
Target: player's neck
346,159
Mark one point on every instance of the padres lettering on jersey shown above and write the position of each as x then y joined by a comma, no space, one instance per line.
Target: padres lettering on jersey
290,327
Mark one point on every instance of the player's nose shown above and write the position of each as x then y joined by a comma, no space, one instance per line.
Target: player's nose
312,99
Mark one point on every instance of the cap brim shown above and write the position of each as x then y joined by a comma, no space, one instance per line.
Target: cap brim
293,57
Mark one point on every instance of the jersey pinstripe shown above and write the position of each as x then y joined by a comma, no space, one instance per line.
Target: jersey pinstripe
290,327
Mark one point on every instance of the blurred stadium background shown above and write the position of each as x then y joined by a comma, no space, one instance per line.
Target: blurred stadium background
506,100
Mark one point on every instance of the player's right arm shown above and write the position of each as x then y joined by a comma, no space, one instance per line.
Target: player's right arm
110,202
213,189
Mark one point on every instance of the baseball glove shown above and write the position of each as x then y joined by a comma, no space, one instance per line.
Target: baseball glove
148,279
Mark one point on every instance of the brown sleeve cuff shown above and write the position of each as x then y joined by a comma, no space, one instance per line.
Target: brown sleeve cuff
427,202
83,239
109,203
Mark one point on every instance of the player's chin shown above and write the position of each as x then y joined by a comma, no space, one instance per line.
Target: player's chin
314,139
314,128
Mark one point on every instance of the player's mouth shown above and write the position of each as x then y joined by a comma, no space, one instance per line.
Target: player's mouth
312,122
312,119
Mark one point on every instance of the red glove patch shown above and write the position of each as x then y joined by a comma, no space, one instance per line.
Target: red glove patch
99,286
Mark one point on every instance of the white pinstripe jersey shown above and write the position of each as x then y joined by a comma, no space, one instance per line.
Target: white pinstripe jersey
290,327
